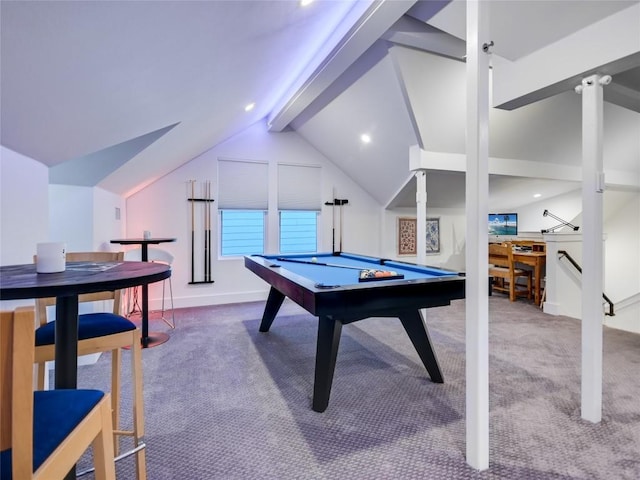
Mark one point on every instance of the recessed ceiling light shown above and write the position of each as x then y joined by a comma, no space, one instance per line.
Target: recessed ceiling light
249,107
365,138
304,3
537,195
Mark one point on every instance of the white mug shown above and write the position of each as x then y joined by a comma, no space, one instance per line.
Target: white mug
146,235
52,257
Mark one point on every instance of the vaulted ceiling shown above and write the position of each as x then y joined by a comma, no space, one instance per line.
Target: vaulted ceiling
118,94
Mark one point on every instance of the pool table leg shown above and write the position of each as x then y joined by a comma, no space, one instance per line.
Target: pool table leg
274,302
417,330
329,331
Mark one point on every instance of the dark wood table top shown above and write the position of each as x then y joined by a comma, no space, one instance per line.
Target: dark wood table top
22,281
142,241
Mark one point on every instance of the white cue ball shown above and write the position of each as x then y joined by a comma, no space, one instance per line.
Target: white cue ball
314,259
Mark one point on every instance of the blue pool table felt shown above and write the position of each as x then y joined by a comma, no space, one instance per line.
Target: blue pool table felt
335,276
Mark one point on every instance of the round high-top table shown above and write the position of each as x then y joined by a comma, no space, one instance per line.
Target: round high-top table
23,282
154,338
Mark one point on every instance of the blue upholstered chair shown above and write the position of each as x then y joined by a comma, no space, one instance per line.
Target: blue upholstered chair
102,332
43,434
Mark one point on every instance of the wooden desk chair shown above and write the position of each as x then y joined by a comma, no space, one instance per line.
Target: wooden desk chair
43,434
101,332
502,267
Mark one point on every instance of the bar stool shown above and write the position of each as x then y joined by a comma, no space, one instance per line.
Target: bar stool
102,332
154,255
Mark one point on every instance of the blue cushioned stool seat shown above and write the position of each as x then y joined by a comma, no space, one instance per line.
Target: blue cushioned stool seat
56,413
91,325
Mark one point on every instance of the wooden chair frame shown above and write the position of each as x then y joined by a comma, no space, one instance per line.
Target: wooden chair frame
108,343
502,266
17,416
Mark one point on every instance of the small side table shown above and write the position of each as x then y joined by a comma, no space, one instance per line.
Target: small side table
155,338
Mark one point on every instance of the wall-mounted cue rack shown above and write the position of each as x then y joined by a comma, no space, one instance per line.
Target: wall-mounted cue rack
336,202
200,230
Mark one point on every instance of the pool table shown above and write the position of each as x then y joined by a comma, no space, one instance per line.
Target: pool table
327,285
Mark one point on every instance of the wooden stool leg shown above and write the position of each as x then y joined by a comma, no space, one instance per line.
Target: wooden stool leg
116,362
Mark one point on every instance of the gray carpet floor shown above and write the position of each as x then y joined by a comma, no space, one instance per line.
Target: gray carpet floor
223,401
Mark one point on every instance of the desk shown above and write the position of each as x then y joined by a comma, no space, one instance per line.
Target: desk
335,295
534,259
156,338
23,282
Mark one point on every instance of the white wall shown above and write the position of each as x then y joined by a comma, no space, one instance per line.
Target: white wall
452,237
105,224
622,256
24,207
84,217
567,206
163,209
71,216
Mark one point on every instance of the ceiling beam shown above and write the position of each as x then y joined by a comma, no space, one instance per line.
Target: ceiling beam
622,96
559,67
367,29
413,33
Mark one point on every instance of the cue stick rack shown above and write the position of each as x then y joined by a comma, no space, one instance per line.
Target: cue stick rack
200,230
563,223
337,202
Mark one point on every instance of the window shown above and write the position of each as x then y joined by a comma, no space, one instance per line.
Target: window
243,201
299,205
242,232
298,231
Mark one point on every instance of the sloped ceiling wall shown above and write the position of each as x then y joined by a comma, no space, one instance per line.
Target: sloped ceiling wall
80,78
373,105
411,96
548,131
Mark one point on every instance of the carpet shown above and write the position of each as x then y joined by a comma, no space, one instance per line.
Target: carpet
224,401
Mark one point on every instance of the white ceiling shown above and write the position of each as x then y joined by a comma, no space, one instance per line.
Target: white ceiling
118,94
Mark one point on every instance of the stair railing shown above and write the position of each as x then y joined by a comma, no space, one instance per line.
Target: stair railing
564,253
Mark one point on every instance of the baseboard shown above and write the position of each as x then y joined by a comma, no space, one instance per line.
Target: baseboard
212,299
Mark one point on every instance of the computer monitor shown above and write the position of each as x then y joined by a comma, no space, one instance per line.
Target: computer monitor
503,224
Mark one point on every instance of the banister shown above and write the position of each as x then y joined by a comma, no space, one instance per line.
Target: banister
564,253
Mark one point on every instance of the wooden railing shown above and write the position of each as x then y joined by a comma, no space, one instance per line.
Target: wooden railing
565,254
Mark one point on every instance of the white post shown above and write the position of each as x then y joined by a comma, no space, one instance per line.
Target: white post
477,266
592,269
421,210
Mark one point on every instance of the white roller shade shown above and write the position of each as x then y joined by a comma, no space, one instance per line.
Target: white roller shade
299,187
243,184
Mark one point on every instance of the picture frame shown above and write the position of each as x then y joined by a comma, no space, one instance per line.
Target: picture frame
407,236
433,236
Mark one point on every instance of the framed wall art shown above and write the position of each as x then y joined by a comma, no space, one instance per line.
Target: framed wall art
407,238
433,235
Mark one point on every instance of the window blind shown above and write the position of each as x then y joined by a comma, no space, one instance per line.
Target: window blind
243,184
299,187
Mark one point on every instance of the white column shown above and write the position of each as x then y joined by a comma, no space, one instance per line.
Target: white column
477,192
592,269
421,210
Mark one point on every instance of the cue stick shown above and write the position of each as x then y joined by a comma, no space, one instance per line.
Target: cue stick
193,238
282,259
209,230
341,223
333,224
333,221
206,247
